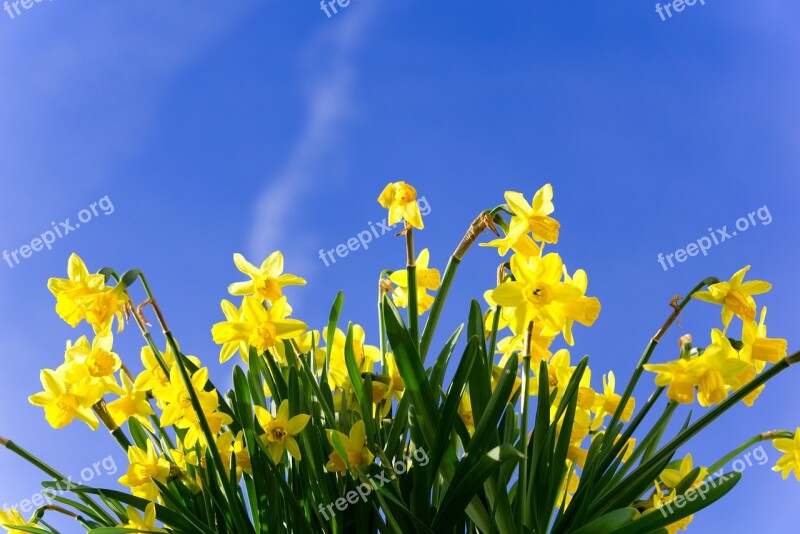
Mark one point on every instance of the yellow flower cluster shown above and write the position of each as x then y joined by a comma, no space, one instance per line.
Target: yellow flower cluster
724,365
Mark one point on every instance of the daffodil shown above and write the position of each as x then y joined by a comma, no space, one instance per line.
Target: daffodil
85,296
583,309
12,518
735,296
465,413
267,281
64,402
671,476
355,446
144,470
194,431
607,402
757,347
521,244
177,400
534,217
132,403
426,279
716,370
790,461
233,446
95,363
142,523
280,431
401,201
365,355
253,325
153,375
537,293
679,376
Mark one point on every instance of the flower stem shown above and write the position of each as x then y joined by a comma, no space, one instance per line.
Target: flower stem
522,485
764,436
483,221
411,268
56,476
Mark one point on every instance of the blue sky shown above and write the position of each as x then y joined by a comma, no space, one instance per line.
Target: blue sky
262,125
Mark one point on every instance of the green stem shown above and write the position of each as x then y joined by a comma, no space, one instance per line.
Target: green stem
478,225
522,486
411,269
56,476
438,304
765,436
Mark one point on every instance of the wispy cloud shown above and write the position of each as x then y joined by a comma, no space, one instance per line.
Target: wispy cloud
329,86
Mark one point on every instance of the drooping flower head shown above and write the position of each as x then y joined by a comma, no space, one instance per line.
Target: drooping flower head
401,201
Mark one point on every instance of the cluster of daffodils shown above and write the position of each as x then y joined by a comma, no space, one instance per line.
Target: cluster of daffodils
726,364
316,412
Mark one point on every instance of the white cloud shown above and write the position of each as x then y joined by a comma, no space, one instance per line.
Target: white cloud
329,85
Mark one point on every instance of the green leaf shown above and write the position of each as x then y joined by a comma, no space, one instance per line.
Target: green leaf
412,372
463,489
668,514
450,409
610,522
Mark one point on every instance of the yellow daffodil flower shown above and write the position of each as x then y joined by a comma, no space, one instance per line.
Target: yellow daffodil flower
355,446
366,356
280,431
177,401
85,296
64,402
194,432
716,370
95,363
254,325
132,403
757,346
679,376
142,523
465,413
790,461
145,468
183,457
735,296
153,375
426,279
401,201
583,309
521,244
537,293
533,217
266,282
671,477
606,403
12,518
230,445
